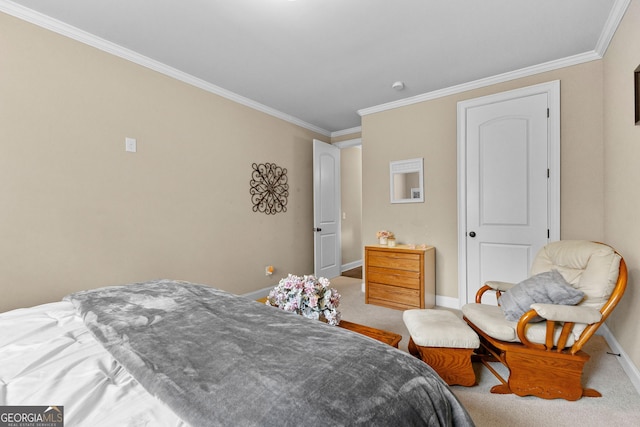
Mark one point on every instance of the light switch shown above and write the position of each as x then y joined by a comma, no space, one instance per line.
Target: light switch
130,145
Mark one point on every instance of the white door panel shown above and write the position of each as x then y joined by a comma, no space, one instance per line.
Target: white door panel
493,259
326,209
503,163
328,259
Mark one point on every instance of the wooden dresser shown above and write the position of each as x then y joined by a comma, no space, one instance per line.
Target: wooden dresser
400,277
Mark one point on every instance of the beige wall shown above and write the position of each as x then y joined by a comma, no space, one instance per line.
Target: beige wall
622,173
428,130
351,201
79,212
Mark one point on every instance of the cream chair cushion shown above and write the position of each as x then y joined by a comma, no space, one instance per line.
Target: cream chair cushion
588,266
563,313
491,320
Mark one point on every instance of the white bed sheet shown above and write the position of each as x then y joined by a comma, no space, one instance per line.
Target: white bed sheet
48,357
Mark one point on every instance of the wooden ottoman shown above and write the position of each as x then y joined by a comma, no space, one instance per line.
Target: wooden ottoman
443,341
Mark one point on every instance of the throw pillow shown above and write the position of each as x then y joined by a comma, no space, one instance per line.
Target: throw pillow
547,288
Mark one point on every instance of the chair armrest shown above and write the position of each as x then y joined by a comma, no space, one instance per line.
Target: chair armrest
493,286
500,286
567,313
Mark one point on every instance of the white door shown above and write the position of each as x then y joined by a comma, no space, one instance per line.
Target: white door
506,187
326,210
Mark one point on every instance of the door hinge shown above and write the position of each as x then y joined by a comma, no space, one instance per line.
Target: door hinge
548,113
548,173
548,234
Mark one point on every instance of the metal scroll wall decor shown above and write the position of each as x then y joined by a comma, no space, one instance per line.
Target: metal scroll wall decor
269,189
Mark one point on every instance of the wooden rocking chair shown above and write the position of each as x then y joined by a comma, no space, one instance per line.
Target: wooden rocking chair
545,358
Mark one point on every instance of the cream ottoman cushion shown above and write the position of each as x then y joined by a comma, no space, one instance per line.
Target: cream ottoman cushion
439,328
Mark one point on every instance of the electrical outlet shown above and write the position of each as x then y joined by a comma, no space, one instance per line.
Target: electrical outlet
130,145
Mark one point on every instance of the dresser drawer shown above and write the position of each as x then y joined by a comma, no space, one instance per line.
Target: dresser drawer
395,260
393,296
389,276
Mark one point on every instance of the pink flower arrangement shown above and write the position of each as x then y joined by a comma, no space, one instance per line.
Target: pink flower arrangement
307,295
384,234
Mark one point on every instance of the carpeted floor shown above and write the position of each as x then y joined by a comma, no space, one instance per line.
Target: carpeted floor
618,406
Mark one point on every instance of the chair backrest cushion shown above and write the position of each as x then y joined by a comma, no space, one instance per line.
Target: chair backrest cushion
588,266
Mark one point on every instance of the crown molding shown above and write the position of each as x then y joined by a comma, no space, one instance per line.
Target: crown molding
77,34
476,84
613,21
357,142
344,132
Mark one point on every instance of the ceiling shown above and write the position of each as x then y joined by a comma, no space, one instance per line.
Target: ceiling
320,62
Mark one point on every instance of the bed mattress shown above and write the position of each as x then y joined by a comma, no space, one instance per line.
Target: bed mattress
48,357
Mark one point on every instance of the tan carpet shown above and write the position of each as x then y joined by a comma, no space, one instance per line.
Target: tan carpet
618,406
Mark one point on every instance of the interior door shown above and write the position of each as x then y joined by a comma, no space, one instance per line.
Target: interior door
506,157
326,210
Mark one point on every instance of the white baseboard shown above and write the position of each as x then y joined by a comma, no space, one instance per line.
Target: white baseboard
350,265
447,302
627,365
260,293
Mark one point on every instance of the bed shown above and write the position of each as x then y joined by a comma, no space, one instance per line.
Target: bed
173,353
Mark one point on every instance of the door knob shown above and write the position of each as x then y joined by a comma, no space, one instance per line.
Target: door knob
317,229
472,234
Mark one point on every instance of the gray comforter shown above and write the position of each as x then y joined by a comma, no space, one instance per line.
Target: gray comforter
219,359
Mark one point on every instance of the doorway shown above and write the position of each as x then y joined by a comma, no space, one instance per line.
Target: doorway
350,216
351,219
508,183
